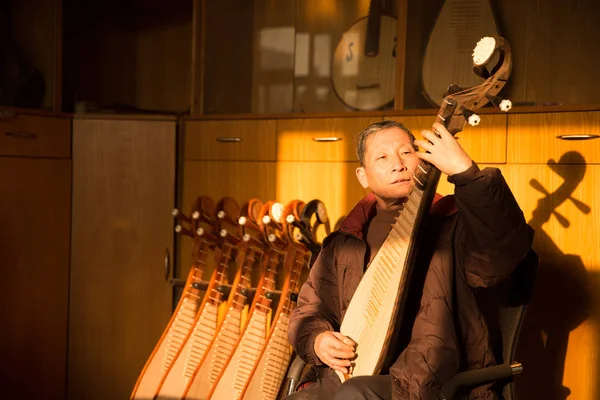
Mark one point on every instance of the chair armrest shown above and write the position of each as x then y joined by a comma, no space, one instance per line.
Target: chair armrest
478,377
293,376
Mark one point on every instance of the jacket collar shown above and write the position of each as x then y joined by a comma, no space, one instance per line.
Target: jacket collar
365,210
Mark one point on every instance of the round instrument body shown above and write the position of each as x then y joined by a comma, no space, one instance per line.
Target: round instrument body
361,82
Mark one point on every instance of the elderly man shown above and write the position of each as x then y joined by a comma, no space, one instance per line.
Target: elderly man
479,235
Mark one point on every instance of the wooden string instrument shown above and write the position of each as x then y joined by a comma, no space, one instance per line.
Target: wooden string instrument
378,303
200,229
449,44
268,373
240,364
229,330
207,318
363,71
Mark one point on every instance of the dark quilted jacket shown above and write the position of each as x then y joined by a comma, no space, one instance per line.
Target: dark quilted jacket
479,235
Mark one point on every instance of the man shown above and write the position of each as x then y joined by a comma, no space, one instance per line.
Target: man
479,240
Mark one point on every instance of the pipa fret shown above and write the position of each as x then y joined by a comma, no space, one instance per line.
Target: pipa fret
240,363
201,336
224,343
181,324
269,371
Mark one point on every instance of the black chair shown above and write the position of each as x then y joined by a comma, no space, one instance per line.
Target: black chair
504,308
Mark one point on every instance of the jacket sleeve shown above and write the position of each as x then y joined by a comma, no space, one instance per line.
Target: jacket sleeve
312,315
492,235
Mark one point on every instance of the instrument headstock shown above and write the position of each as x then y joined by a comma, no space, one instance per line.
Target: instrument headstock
314,217
270,223
459,105
227,217
492,61
248,221
200,220
292,225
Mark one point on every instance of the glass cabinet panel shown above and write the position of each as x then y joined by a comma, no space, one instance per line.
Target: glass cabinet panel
554,61
27,53
301,56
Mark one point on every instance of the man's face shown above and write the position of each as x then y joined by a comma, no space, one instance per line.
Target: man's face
389,163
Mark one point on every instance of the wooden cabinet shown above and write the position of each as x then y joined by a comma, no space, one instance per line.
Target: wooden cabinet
120,295
532,138
127,56
34,243
319,139
35,136
558,200
231,140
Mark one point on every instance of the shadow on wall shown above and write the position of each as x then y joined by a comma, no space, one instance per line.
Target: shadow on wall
562,296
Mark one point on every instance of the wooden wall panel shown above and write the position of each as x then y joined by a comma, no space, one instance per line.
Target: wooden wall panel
228,56
560,344
243,140
551,65
532,138
36,46
162,72
296,138
334,183
123,55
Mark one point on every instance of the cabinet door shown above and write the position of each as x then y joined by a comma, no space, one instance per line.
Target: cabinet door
120,296
34,243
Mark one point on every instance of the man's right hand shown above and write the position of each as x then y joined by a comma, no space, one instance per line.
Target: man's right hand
335,350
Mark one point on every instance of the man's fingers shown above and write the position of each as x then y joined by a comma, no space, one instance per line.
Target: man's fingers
441,130
424,144
341,369
430,136
336,362
425,156
341,353
348,343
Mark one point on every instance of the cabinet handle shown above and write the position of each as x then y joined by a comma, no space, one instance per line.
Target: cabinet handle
229,139
21,135
327,139
578,136
167,264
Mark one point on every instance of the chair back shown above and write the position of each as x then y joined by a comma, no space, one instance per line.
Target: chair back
504,308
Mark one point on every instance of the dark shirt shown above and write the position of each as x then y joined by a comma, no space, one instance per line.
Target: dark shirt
377,231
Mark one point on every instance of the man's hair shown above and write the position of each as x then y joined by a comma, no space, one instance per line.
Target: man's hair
360,139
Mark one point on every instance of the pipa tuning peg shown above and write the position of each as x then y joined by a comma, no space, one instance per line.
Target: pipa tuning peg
503,104
453,89
472,118
481,71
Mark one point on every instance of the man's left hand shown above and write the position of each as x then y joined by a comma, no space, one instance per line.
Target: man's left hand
444,151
